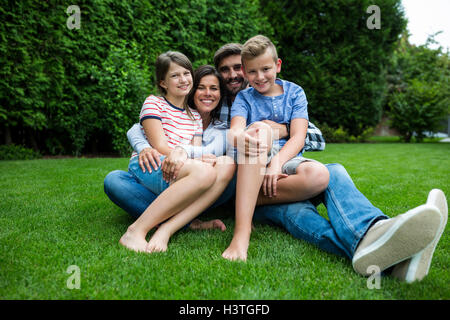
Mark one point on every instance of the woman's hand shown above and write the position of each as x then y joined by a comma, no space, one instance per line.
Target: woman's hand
269,185
173,163
149,157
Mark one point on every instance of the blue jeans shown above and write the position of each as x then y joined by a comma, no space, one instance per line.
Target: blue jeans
350,215
129,193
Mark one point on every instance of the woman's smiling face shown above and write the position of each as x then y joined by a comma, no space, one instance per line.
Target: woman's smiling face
207,95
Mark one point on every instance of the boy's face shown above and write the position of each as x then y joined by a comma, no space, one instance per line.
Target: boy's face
261,73
231,71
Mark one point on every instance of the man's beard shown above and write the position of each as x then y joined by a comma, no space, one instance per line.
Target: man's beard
235,91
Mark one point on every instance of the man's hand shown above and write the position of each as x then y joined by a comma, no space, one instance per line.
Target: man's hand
149,157
173,163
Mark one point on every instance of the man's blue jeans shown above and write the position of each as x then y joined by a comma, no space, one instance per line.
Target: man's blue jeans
350,213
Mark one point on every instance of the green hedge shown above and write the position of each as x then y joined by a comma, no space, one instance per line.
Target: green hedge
72,89
327,48
77,91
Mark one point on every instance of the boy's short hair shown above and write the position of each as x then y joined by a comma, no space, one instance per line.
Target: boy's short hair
230,49
257,46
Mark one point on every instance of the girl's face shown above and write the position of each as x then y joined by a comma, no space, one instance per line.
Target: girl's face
207,95
178,81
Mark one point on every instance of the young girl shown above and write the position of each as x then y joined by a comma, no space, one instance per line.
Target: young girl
169,123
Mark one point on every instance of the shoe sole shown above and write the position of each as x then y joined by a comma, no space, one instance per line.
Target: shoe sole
405,238
416,268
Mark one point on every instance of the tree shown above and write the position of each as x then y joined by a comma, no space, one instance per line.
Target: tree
328,49
419,91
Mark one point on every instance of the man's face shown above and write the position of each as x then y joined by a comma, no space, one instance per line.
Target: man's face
231,71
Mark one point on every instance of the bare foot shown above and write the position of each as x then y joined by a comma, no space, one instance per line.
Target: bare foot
133,241
159,241
236,251
205,225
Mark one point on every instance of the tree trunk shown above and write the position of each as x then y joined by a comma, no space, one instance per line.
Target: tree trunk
8,138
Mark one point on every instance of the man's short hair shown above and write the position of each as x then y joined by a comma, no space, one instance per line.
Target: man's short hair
230,49
257,46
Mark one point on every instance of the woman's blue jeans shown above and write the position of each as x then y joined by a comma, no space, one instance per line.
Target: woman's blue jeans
350,213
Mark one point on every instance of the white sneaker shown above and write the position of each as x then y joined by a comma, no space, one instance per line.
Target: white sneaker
391,241
417,267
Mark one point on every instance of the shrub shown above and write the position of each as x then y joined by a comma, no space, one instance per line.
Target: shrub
419,95
17,152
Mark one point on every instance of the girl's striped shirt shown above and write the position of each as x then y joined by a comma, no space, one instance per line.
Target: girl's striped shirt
178,127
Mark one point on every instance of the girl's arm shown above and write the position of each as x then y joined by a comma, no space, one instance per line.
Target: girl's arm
155,134
148,156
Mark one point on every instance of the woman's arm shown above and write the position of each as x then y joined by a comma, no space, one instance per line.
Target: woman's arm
137,139
214,142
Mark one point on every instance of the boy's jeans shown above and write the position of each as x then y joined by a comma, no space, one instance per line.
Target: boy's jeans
350,213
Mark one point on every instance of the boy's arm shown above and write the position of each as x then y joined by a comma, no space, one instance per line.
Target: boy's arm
279,130
295,143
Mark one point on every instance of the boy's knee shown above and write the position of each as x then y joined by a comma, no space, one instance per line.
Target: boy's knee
264,131
314,171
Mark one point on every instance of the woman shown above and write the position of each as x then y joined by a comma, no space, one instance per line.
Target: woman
188,178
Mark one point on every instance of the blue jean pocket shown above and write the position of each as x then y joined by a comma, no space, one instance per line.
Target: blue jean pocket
151,180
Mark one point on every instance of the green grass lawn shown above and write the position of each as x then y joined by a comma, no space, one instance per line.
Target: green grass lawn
54,214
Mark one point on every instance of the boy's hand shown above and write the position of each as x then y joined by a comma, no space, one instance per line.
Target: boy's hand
173,163
149,157
269,185
250,144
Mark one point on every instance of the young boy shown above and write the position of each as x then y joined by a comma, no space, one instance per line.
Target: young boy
266,163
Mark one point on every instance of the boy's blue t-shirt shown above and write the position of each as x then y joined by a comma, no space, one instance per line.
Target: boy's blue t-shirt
253,106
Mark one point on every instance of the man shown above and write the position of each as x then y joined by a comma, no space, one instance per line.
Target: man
355,229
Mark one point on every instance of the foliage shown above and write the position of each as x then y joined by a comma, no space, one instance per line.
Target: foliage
419,91
17,152
340,134
327,48
53,76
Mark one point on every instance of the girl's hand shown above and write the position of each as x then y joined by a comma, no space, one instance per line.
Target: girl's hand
173,163
149,157
209,158
269,185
